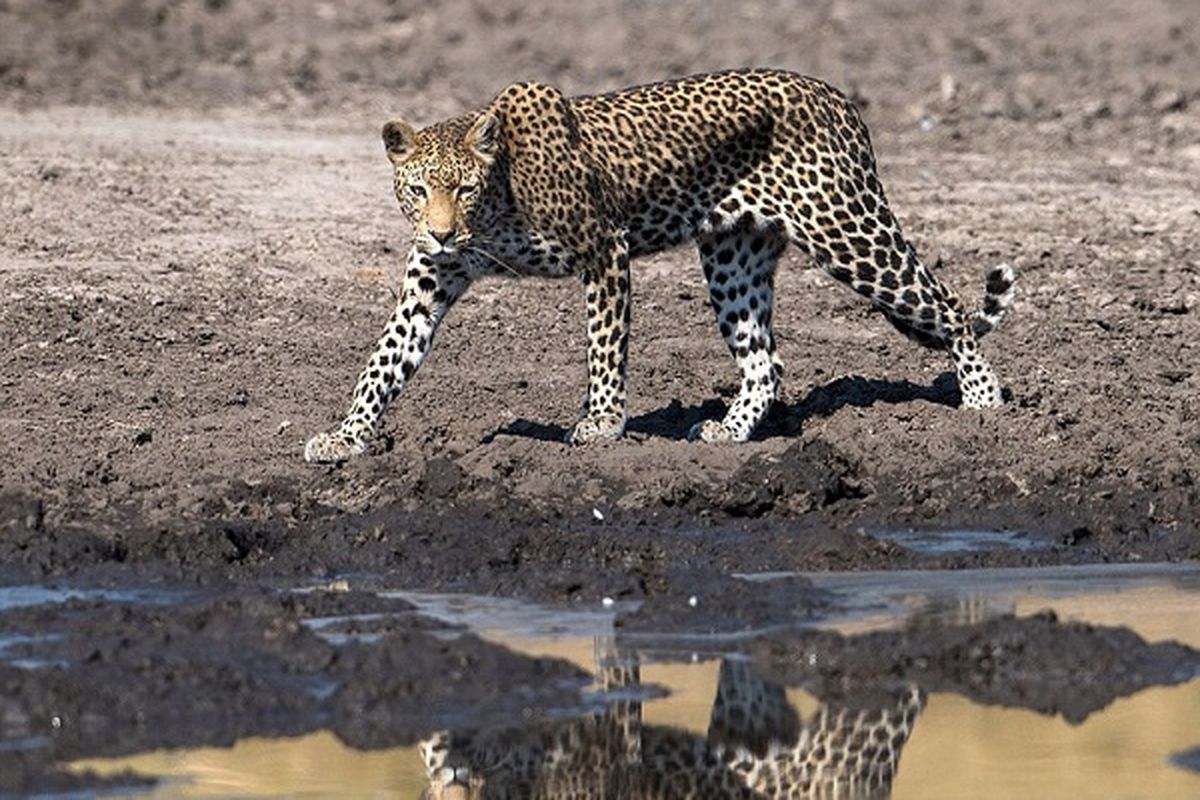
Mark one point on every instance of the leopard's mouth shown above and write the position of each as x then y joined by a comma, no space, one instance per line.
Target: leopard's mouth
455,779
430,246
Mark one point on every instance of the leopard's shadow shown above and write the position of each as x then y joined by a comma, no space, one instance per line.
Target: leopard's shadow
785,419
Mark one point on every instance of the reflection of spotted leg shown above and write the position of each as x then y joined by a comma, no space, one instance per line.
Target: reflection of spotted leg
749,713
852,752
619,673
739,266
429,291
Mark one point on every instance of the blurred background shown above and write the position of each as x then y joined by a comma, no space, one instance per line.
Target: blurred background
1091,67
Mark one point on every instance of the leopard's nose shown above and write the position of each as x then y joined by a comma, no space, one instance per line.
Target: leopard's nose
442,237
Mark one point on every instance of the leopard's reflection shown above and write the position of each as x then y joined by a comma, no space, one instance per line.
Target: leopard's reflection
757,746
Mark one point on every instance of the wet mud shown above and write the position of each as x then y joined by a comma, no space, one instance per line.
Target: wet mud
98,678
92,677
869,692
1039,663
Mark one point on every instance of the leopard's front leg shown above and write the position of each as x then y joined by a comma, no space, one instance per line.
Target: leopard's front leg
429,290
608,300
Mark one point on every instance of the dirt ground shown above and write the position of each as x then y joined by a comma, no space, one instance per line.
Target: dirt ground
198,247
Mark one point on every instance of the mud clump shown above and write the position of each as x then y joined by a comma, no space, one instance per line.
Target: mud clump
1188,759
112,679
808,476
1071,669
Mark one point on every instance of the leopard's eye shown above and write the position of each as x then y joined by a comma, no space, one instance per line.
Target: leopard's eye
417,191
467,190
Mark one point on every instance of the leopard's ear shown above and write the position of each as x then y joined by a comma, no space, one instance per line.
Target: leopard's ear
484,136
398,139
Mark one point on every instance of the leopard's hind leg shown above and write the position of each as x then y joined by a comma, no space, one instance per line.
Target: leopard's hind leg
619,673
749,712
739,265
862,246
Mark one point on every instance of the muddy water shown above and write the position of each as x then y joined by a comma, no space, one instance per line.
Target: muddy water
1159,601
956,748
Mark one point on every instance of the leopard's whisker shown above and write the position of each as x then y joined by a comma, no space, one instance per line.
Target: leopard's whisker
489,256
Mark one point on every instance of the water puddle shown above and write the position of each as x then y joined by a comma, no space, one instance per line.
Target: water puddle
34,595
1158,601
10,641
914,741
940,543
314,766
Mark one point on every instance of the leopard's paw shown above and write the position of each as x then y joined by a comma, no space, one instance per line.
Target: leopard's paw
981,391
332,448
711,430
602,426
981,400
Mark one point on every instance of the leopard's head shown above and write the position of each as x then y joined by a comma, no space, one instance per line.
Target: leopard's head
450,784
450,776
444,179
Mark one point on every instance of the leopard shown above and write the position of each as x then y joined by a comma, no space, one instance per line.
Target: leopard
756,745
742,163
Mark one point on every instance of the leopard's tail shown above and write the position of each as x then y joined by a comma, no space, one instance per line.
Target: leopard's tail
998,296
